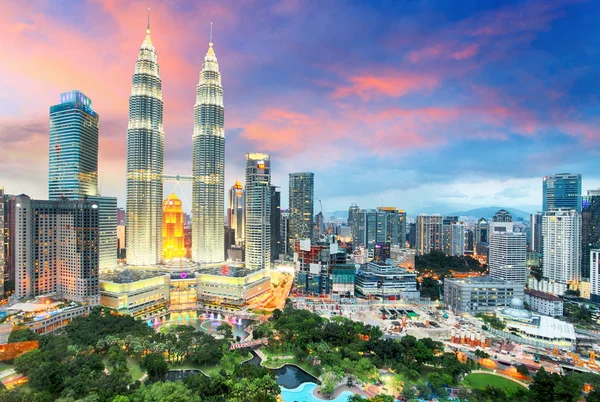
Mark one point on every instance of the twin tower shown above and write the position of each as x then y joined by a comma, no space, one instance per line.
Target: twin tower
145,150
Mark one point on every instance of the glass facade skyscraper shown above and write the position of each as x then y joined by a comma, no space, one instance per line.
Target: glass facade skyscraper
562,190
301,191
145,147
258,211
73,152
590,229
208,169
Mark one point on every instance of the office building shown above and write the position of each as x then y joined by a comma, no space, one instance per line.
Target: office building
275,223
481,236
352,216
507,256
562,190
412,235
313,263
235,211
386,281
595,275
301,198
561,234
381,225
172,229
544,303
121,216
428,233
138,293
284,230
457,238
258,211
3,243
590,229
208,144
469,241
145,149
73,166
229,241
535,232
319,229
121,244
482,294
56,249
343,277
73,152
381,252
231,286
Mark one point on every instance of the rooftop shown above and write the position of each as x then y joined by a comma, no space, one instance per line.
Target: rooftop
477,280
542,295
128,275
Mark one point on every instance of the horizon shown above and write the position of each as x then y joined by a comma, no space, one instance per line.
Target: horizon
434,107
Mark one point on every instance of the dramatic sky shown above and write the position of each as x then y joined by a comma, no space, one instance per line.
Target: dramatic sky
430,106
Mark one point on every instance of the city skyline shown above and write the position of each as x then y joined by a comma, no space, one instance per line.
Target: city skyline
406,102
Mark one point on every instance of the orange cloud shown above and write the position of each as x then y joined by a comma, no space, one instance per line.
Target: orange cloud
394,85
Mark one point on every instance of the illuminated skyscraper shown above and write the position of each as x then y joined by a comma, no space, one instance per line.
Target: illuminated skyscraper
561,243
145,144
208,144
258,211
428,233
73,166
172,229
507,256
302,189
73,156
562,190
235,211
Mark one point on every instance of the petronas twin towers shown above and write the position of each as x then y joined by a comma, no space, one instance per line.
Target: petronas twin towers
145,146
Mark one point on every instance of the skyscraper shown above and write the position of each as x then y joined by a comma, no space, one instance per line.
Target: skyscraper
428,233
73,153
535,232
595,275
275,222
73,166
172,229
457,238
590,229
381,225
507,257
258,211
481,236
447,233
284,230
56,244
302,189
562,190
235,211
3,242
561,234
145,147
208,169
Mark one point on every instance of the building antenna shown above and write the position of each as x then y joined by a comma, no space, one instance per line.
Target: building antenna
210,41
148,19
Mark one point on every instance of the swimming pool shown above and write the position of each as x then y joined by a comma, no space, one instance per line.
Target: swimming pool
304,393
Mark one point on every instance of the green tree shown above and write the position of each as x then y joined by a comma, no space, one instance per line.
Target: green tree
165,392
542,388
225,330
22,334
155,366
522,369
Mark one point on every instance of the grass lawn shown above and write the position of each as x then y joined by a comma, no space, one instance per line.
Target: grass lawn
278,357
211,370
480,380
4,366
135,371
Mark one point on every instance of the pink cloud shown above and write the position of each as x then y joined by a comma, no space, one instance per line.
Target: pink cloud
466,53
394,85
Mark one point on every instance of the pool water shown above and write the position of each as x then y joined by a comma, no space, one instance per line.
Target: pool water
304,393
292,377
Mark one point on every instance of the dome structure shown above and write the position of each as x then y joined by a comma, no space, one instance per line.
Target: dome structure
517,310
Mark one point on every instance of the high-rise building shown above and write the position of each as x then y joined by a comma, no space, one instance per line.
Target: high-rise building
535,232
208,144
562,190
352,216
172,229
561,238
258,211
412,235
3,264
469,241
73,153
275,223
56,248
382,252
73,166
381,225
457,238
302,189
595,275
145,148
319,229
428,233
507,256
284,230
481,236
447,233
590,229
235,211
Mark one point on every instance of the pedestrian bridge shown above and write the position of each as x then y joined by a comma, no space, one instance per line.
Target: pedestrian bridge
249,344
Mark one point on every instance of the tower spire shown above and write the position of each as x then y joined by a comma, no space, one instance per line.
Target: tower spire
210,43
148,29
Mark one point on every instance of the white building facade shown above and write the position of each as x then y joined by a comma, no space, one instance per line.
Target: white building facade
561,242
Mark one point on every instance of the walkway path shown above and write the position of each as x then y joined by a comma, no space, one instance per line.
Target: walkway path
339,390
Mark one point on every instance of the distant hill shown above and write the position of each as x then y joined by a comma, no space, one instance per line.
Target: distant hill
488,212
